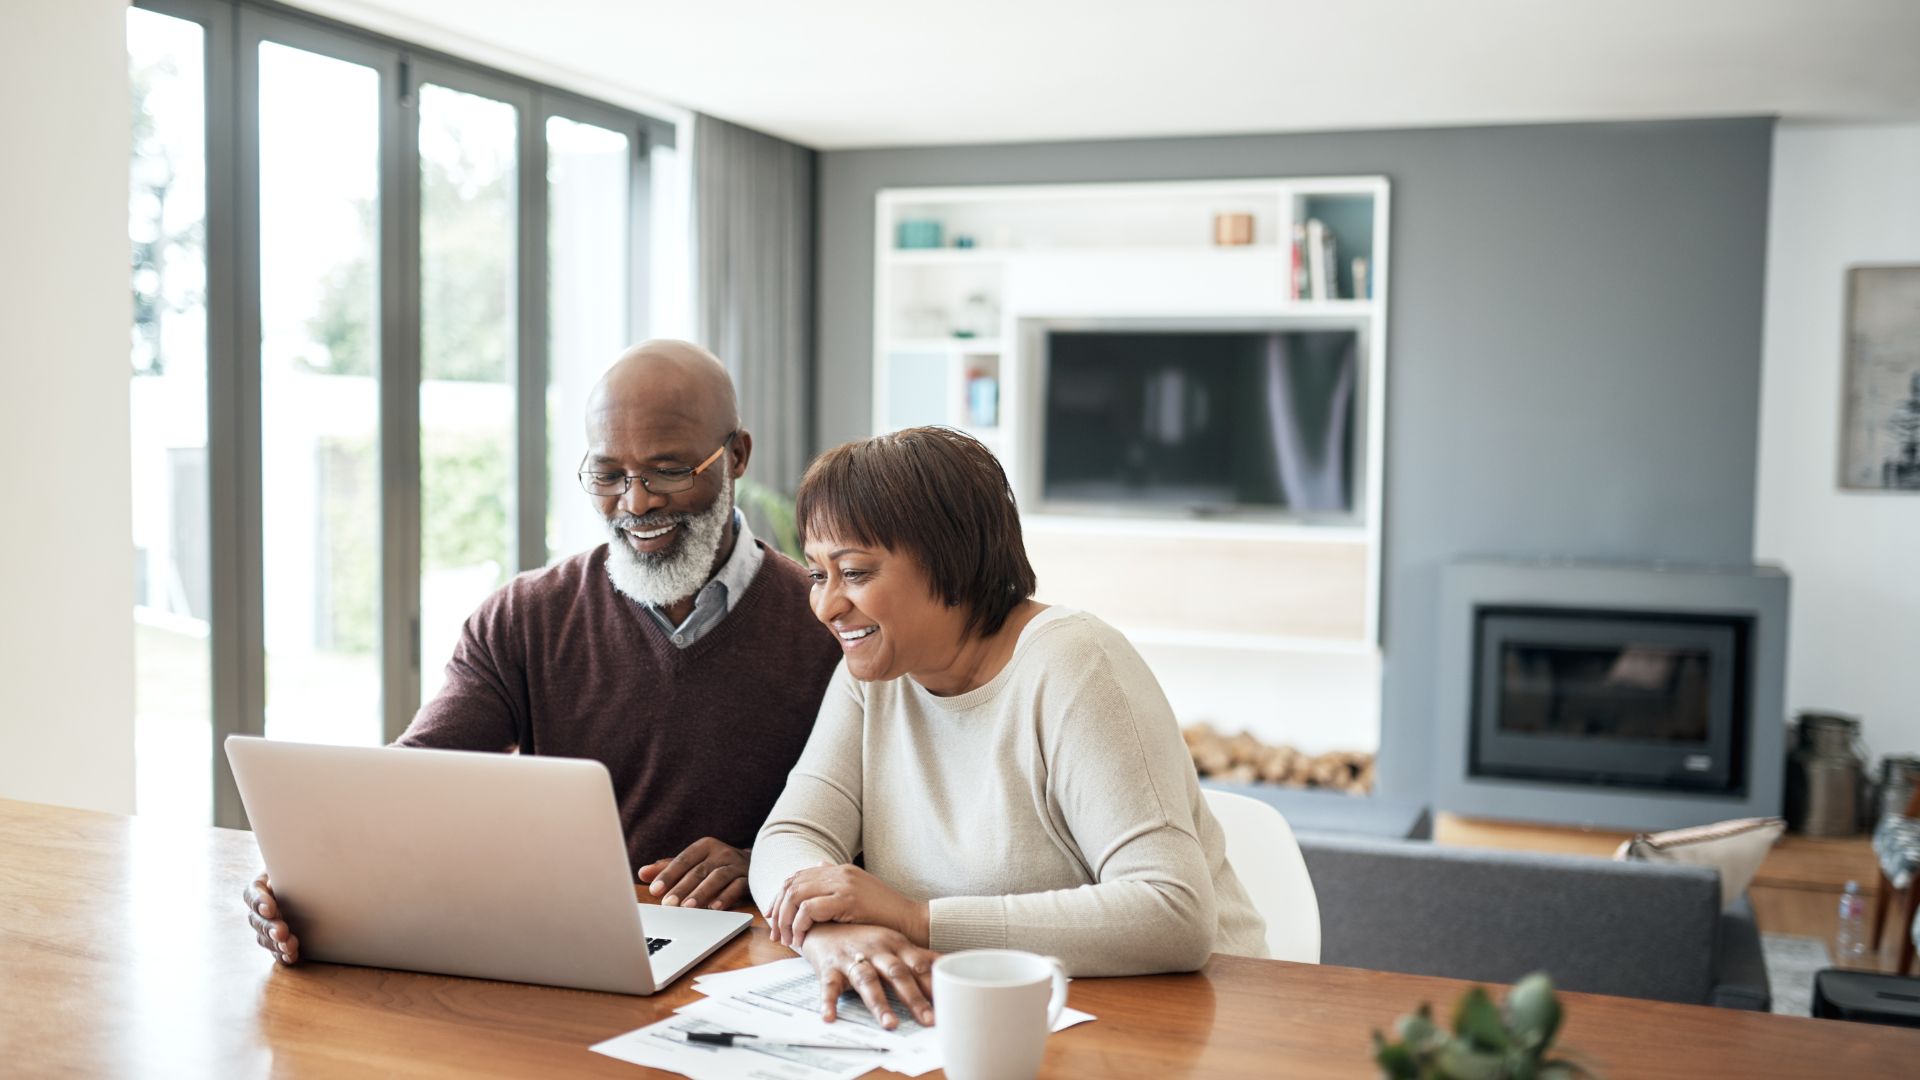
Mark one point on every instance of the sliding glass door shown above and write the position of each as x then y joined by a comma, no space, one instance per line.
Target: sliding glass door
469,149
589,179
172,605
319,231
370,286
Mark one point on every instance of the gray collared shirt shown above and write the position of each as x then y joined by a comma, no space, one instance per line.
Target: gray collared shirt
718,596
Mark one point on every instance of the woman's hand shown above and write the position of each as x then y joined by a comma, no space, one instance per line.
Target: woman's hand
842,894
269,929
871,960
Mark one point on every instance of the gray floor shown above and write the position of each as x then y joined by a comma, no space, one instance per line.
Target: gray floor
1791,964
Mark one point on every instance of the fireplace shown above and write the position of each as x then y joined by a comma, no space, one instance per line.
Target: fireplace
1647,699
1614,696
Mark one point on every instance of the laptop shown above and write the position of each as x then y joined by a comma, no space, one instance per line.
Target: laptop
492,866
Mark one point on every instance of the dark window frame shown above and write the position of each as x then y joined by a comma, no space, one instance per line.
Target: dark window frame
234,31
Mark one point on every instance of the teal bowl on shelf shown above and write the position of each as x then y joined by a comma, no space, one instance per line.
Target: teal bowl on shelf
917,233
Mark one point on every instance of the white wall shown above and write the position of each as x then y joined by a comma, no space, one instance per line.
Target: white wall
66,555
1842,195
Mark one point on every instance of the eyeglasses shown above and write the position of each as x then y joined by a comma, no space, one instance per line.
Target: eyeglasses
607,485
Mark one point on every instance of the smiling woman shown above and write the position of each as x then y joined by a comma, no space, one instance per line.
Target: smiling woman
873,564
1010,773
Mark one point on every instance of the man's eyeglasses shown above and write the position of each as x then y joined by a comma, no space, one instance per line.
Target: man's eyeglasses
606,485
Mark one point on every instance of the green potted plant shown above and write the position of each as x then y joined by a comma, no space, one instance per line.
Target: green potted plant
1488,1042
769,507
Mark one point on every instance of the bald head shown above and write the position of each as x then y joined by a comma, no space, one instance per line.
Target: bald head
665,405
673,378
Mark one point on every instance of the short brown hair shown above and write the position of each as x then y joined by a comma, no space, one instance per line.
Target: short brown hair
936,494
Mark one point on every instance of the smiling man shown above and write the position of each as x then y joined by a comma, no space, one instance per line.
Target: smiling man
681,653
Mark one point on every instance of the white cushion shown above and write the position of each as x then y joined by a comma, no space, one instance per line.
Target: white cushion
1735,848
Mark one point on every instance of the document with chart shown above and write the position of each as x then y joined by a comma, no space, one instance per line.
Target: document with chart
781,1001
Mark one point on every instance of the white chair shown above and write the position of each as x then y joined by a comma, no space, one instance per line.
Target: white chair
1264,854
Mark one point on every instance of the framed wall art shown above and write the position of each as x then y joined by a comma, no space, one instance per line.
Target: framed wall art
1880,419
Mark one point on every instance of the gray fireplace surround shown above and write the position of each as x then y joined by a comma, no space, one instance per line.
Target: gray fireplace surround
1755,593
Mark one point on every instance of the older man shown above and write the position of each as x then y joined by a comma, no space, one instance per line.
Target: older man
681,653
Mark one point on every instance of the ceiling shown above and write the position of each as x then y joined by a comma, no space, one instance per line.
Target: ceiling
836,74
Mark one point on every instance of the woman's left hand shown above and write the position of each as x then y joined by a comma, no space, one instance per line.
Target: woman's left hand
872,962
844,894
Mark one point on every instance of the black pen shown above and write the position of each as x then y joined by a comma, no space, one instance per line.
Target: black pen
741,1038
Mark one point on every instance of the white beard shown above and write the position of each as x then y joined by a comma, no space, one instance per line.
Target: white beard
683,569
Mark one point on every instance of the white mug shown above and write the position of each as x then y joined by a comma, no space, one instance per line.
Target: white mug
993,1008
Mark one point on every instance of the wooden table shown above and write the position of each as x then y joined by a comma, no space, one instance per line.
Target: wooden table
124,951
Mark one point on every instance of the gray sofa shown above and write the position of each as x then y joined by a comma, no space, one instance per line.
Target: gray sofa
1632,929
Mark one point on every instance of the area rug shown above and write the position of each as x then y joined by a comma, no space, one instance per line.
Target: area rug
1791,964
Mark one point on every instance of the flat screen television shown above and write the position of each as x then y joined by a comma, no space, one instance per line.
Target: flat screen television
1190,422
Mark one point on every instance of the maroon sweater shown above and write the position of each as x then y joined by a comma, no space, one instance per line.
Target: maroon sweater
699,740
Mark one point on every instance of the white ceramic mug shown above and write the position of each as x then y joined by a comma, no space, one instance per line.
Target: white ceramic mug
993,1009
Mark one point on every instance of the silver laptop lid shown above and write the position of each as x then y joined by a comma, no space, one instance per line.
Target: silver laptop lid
494,866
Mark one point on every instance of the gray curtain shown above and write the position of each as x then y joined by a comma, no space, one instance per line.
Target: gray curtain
753,258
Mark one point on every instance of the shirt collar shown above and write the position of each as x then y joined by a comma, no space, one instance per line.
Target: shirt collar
721,593
741,566
735,574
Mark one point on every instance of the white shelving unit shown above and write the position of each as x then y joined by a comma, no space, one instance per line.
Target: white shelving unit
1263,597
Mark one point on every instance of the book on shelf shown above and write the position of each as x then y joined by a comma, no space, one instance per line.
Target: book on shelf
1332,258
1297,268
1323,269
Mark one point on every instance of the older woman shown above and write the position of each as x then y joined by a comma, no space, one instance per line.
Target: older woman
1010,773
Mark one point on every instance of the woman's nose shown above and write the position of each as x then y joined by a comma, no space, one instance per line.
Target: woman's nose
827,601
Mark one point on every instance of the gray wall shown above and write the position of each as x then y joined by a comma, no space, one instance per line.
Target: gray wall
1573,342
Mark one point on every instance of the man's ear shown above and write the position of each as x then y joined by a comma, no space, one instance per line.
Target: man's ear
742,450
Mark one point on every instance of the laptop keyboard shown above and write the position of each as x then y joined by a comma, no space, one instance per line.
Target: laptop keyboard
655,944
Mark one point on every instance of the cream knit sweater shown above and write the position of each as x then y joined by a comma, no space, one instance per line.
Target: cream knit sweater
1054,809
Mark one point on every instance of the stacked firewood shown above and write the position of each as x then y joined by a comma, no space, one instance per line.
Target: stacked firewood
1243,759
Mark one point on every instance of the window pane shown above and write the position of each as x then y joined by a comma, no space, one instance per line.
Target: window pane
467,274
588,177
173,682
320,398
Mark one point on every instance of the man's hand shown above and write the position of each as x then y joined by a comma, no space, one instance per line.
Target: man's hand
708,874
842,894
269,929
871,960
